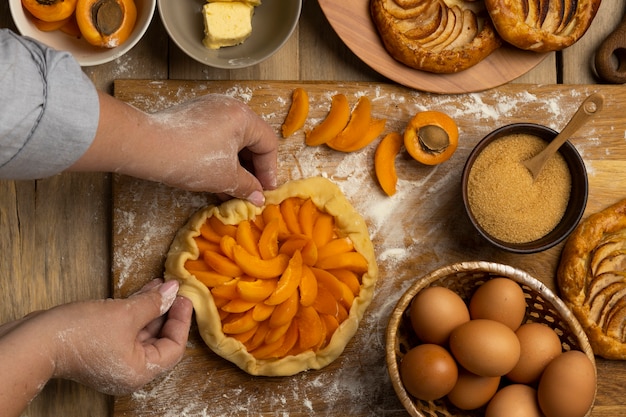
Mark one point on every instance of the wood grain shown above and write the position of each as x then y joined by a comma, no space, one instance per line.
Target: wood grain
420,229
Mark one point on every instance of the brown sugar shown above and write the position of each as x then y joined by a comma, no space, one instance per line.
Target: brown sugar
505,200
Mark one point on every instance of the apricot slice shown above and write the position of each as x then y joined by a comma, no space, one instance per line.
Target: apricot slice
246,238
336,120
268,241
324,229
298,112
222,228
306,217
335,247
272,211
245,336
208,233
357,126
290,340
376,127
262,312
307,287
330,282
222,264
310,328
256,291
241,323
353,261
431,152
227,290
260,268
285,311
204,245
210,278
288,282
106,23
259,336
289,209
385,162
325,303
350,278
237,305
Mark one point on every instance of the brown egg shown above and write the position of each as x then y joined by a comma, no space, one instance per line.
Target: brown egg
500,299
472,391
567,386
517,400
428,371
485,347
435,312
539,344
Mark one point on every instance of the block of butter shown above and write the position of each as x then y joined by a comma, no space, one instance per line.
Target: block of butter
226,23
250,2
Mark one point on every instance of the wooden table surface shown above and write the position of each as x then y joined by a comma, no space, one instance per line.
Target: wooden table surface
55,245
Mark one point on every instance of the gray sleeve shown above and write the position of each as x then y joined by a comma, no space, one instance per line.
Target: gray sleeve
49,109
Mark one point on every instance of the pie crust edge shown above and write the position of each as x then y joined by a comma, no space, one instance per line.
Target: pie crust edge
326,196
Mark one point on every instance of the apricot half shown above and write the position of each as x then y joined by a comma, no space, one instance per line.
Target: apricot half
431,137
106,23
50,10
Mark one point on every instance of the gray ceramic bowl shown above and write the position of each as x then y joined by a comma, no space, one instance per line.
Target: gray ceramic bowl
272,25
578,195
86,54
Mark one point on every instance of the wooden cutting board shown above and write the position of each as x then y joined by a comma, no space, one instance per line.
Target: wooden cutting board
419,229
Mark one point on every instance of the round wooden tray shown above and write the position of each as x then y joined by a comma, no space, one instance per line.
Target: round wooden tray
352,22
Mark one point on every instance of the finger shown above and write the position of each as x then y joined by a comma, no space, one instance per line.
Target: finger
170,347
151,304
249,187
263,145
152,329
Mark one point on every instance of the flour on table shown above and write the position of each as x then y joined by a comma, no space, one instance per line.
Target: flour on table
360,381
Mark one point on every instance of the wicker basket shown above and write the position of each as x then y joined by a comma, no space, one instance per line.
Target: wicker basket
463,278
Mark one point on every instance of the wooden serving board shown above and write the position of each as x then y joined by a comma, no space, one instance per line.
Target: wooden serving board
419,229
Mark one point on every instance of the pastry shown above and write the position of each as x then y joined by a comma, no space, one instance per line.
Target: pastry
542,25
433,36
279,289
592,279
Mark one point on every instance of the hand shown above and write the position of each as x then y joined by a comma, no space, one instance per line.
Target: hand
118,345
199,145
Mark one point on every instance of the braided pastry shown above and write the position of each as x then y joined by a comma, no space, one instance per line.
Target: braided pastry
542,25
592,279
433,36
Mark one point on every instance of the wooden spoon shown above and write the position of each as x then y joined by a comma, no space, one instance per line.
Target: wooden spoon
590,107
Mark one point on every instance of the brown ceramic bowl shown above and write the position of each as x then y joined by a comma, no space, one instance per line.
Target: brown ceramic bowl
542,306
578,195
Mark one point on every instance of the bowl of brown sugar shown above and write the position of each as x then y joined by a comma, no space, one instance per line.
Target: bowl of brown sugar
511,209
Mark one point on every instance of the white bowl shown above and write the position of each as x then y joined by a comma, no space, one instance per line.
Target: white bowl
86,54
272,25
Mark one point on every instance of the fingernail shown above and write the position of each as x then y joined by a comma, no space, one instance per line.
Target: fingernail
168,294
257,198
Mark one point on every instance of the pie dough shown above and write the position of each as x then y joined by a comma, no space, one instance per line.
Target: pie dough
348,223
592,279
